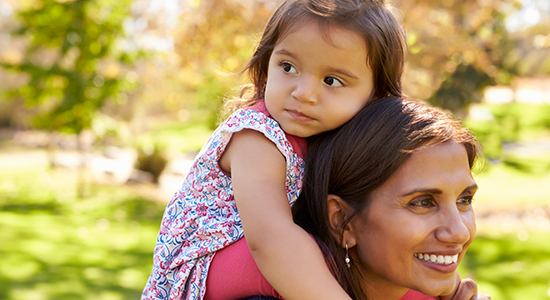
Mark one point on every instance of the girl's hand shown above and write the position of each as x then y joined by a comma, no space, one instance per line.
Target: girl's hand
466,290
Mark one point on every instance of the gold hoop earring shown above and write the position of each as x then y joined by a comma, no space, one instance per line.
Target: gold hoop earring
347,259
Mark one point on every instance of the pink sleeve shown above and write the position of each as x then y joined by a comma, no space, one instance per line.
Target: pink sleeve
233,274
414,295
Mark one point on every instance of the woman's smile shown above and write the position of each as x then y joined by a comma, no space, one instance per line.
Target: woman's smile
437,259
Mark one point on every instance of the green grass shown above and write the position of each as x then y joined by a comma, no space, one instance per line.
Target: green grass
509,268
56,246
504,187
177,135
512,122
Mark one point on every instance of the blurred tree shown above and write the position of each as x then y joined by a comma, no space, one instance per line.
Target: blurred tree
457,48
212,42
73,61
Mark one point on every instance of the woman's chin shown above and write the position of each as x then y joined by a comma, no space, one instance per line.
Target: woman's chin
441,289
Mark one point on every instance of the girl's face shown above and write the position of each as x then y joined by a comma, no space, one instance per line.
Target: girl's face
418,226
317,80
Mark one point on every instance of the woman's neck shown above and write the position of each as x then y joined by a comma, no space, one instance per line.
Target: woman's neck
380,289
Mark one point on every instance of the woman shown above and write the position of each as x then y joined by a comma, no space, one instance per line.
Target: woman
353,173
388,198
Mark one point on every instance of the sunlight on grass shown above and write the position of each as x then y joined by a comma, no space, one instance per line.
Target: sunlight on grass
60,247
504,188
508,267
177,136
57,246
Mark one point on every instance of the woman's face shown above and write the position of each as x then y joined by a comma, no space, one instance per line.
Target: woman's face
419,224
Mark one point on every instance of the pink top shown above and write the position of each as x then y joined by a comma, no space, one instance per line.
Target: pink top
234,275
414,295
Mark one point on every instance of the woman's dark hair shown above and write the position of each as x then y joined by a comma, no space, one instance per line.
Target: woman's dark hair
355,159
374,20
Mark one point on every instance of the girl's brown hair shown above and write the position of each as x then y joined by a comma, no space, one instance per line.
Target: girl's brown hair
377,22
355,159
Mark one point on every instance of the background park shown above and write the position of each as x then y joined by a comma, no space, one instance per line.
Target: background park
103,104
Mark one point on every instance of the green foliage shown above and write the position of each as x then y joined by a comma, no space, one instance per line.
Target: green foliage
509,268
460,89
209,98
513,122
179,136
68,42
55,246
213,44
456,48
536,166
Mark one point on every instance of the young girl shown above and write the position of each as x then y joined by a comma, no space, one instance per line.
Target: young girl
317,64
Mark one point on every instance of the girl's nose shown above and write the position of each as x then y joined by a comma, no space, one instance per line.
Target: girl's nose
455,227
306,91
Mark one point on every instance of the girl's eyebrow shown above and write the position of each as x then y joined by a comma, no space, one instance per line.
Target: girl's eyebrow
344,72
335,70
437,191
286,52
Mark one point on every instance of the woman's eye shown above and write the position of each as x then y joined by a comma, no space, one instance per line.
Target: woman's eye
288,68
334,82
466,200
427,202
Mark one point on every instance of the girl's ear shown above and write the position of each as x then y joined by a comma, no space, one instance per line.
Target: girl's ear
338,212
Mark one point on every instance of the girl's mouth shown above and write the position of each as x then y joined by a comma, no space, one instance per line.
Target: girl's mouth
299,116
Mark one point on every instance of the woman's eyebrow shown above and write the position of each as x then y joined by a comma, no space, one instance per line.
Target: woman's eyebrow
436,191
423,191
471,187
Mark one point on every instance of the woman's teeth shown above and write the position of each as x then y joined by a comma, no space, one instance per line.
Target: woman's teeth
438,259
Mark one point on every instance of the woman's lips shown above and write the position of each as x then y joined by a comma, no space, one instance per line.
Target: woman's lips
440,263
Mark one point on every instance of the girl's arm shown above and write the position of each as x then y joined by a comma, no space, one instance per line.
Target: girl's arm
286,255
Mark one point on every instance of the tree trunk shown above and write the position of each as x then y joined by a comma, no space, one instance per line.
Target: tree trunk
82,167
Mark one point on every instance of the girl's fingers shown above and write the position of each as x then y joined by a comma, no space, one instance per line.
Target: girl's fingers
480,296
467,290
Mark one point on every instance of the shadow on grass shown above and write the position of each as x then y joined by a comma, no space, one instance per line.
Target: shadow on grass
55,246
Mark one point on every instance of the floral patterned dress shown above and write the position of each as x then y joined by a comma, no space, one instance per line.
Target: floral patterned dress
202,216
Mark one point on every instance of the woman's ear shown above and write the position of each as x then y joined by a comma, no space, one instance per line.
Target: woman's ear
338,212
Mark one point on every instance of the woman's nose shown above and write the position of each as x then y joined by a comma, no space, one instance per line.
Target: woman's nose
456,227
306,90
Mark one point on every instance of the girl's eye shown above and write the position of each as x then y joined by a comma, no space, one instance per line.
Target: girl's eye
426,202
334,82
288,68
